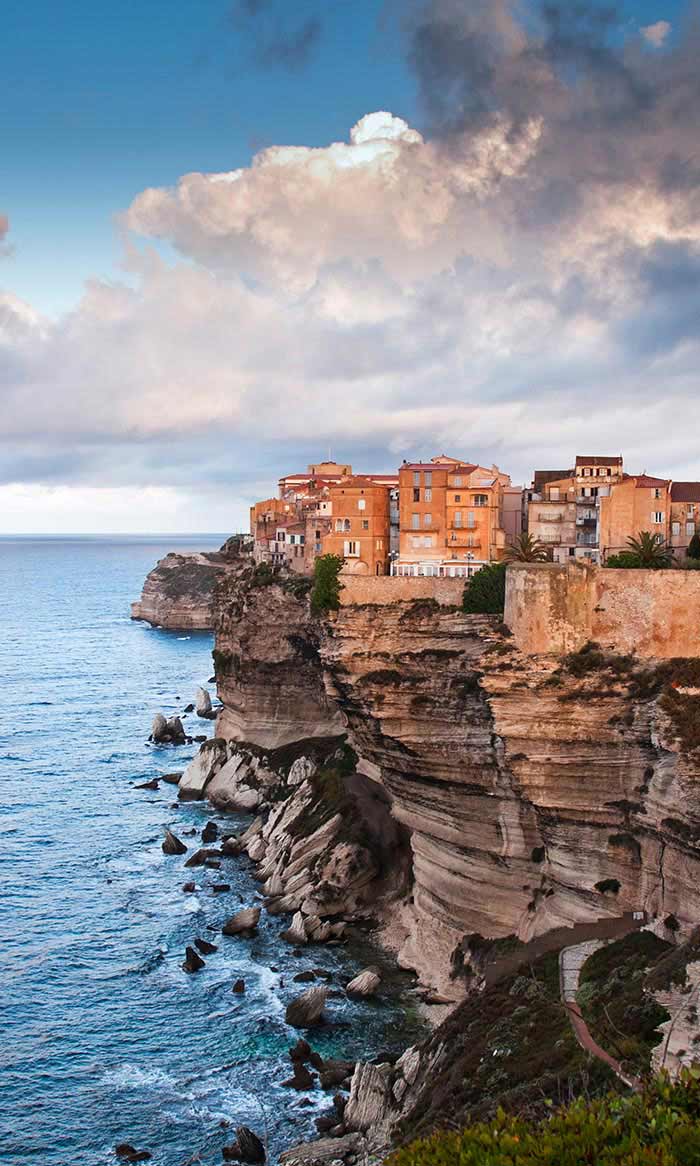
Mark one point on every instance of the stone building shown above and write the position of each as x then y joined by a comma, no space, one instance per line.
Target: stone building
361,524
563,508
637,503
685,516
451,517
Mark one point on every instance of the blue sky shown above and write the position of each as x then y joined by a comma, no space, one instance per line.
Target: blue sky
520,238
102,100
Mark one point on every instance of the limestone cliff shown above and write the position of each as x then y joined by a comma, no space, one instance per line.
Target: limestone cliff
178,593
535,793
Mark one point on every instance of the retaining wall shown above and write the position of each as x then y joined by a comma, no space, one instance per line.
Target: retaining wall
385,589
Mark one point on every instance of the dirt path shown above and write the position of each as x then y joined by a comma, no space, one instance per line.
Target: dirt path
571,960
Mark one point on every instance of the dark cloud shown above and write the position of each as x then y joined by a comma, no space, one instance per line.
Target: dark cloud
277,40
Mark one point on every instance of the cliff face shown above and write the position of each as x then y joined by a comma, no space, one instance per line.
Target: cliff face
536,793
178,593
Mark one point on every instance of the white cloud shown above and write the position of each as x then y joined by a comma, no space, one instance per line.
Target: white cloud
656,34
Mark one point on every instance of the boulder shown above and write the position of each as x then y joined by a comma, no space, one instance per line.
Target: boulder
239,987
129,1153
202,705
296,932
192,962
201,856
205,946
335,1073
159,729
370,1103
219,888
364,984
307,1010
246,1148
176,732
304,978
152,784
231,847
189,888
189,708
324,1151
301,1079
244,923
210,832
172,844
235,786
202,768
300,770
171,778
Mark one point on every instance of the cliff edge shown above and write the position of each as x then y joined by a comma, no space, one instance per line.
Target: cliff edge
178,594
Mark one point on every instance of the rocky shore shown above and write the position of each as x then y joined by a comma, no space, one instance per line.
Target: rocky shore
408,768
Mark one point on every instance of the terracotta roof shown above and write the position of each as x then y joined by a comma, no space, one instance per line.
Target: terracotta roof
685,491
642,481
599,461
448,467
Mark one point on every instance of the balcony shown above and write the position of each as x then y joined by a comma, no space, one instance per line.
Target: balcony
589,520
586,540
549,518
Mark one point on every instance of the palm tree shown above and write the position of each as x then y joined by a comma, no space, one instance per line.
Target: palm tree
526,549
650,550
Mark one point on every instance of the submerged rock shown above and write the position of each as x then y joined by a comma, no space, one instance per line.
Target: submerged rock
152,784
244,923
192,961
307,1010
172,844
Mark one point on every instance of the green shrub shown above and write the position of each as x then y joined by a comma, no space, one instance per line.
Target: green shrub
625,560
485,592
327,586
658,1127
694,547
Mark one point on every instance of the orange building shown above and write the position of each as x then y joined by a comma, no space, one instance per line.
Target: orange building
685,516
635,504
361,524
451,517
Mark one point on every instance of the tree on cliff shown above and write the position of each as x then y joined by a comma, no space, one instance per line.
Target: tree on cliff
327,586
526,549
485,592
647,552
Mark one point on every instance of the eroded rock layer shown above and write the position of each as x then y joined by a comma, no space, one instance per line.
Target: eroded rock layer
178,593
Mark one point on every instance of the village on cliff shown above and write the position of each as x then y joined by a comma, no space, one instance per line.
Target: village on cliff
448,517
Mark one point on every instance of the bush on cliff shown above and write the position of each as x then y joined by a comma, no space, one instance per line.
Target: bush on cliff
658,1127
327,586
485,592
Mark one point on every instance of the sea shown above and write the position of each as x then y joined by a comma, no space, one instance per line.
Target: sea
105,1039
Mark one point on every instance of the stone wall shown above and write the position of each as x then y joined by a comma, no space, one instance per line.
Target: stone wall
552,608
385,589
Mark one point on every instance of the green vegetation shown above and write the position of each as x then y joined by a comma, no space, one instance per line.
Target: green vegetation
694,547
485,592
647,551
225,663
659,1127
327,586
619,1010
526,549
590,658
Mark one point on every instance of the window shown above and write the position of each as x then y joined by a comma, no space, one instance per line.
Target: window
350,549
471,521
675,528
346,524
365,524
415,541
416,495
339,524
657,492
427,495
281,536
427,540
415,521
458,497
379,545
429,478
416,479
458,517
481,499
554,494
657,517
361,503
302,539
318,534
427,520
690,529
458,480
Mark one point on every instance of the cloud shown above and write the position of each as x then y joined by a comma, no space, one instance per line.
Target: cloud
515,282
275,39
657,34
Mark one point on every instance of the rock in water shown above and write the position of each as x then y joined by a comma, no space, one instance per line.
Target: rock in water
202,705
244,923
210,832
296,932
239,987
159,729
171,778
192,961
176,732
205,946
364,984
200,857
172,844
301,1080
152,784
246,1148
212,755
307,1010
129,1154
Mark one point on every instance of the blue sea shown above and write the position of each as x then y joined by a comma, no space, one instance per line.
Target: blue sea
104,1038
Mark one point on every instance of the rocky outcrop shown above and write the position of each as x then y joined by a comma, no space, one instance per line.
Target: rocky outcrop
178,593
268,670
307,1010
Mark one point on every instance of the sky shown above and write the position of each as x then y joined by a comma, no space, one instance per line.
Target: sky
236,235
